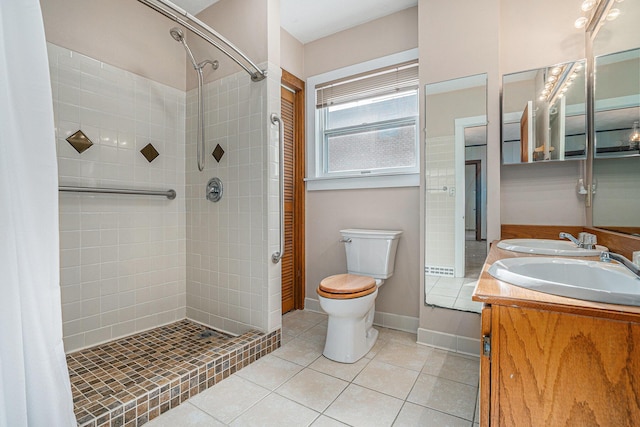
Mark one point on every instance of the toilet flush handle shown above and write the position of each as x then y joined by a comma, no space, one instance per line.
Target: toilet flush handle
343,240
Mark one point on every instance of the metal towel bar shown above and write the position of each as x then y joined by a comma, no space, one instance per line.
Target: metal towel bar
169,194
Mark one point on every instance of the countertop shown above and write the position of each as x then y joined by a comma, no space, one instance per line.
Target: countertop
492,291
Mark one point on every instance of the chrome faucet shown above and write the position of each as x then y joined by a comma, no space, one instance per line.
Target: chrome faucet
608,256
564,235
584,240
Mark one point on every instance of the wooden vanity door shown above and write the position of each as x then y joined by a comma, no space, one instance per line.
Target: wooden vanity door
485,367
558,369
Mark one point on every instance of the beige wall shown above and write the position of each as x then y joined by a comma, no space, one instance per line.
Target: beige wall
244,23
291,54
445,55
122,33
529,194
391,208
394,33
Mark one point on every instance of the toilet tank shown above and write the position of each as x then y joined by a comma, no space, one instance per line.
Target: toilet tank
371,252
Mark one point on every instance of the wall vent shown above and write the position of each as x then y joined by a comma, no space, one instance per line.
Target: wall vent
435,270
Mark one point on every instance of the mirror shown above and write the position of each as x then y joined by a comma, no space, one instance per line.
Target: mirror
543,114
455,190
617,104
616,166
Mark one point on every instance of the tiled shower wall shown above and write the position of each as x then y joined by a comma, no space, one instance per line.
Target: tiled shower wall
122,257
440,207
231,283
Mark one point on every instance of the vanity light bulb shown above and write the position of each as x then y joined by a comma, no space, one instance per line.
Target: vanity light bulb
577,68
587,5
580,22
556,70
548,86
613,14
542,98
552,79
635,132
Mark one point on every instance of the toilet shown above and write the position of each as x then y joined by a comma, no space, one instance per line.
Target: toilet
349,299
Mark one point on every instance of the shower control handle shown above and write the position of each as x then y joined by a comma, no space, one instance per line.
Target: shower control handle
214,189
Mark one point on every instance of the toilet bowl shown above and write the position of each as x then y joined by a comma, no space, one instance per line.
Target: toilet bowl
349,299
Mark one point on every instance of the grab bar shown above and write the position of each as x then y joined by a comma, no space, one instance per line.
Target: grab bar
277,256
169,194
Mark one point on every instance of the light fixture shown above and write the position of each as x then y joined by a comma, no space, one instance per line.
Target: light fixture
634,138
581,22
613,14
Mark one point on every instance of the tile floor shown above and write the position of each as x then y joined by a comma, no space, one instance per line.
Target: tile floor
397,383
455,292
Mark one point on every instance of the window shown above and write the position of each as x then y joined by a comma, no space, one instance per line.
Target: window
366,125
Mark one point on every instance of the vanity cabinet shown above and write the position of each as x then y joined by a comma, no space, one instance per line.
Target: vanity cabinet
555,361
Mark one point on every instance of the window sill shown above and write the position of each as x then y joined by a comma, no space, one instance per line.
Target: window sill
356,182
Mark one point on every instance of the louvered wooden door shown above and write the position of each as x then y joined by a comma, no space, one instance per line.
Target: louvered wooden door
292,112
288,260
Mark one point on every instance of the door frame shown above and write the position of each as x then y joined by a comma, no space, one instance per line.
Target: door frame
478,172
297,86
459,159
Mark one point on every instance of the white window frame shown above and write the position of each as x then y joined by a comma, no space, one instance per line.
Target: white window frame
316,180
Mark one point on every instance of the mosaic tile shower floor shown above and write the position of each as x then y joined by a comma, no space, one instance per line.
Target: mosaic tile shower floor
132,380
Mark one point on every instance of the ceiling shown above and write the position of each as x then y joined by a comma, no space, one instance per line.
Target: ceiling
309,20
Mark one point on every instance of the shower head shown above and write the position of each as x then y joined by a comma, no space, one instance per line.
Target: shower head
177,34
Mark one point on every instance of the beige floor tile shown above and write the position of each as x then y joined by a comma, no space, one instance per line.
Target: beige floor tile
412,415
399,337
229,398
453,367
185,415
410,357
312,389
379,345
277,411
324,421
306,316
317,334
445,396
388,379
300,351
297,322
344,371
359,406
269,372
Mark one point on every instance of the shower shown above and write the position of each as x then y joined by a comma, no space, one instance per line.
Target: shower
178,36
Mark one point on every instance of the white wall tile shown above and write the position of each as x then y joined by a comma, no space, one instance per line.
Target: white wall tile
110,243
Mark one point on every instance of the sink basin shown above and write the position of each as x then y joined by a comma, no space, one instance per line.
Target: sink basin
574,278
548,247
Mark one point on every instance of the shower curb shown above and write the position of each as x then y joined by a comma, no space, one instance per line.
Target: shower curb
168,393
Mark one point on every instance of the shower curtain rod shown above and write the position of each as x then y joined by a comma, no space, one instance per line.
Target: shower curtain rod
205,32
169,194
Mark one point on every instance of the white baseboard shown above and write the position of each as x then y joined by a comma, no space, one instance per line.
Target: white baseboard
455,343
385,320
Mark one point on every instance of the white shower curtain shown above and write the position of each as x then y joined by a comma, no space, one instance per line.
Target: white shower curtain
34,382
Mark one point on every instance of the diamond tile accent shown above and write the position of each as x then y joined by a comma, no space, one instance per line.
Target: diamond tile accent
149,152
218,152
79,141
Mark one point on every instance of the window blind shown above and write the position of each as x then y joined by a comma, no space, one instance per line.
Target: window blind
383,81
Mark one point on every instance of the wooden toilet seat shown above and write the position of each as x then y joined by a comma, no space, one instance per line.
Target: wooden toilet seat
346,286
